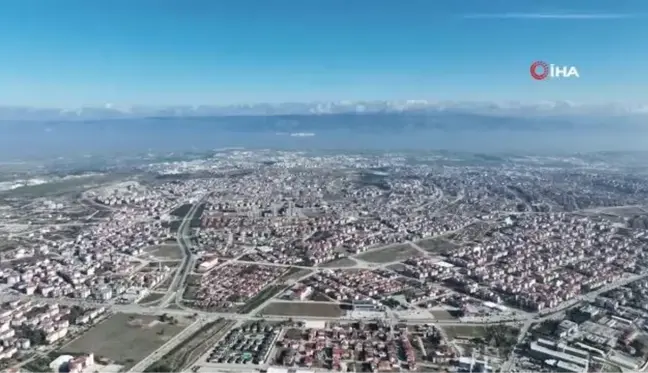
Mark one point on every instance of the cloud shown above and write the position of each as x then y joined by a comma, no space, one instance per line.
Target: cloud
583,16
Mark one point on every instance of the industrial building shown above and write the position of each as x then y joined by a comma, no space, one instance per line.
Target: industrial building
364,305
560,355
287,370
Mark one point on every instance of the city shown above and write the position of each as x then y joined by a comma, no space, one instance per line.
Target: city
269,260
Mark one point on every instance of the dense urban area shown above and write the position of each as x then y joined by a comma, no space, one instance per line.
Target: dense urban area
286,261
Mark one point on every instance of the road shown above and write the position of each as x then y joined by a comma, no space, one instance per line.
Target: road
188,258
175,292
203,317
551,313
167,347
142,310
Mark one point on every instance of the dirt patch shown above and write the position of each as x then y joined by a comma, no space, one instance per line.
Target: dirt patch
126,338
166,251
303,309
464,331
437,245
342,262
390,254
442,315
152,297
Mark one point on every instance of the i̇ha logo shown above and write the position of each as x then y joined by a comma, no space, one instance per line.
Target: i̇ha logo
541,70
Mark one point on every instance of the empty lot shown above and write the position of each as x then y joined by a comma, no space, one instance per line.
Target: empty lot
125,339
342,262
394,253
166,251
442,315
437,245
303,309
464,331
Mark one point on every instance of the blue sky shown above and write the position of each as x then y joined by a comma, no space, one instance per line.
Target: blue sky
67,53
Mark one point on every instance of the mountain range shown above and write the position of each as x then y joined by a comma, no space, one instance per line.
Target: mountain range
111,111
546,126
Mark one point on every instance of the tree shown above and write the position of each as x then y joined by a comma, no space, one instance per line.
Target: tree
159,367
75,313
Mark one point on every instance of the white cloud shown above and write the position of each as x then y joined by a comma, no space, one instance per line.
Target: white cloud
592,16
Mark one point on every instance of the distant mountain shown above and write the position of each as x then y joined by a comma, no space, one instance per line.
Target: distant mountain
377,125
110,111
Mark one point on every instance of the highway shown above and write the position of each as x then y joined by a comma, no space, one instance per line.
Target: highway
553,312
183,237
167,347
203,317
142,310
175,293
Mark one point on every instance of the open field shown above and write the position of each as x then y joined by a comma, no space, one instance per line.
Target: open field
186,353
442,315
303,309
437,245
62,186
320,297
625,212
294,274
125,338
389,254
263,296
152,297
342,262
181,211
165,251
464,331
474,232
168,263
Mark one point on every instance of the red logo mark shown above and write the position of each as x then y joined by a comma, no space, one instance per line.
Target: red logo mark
544,70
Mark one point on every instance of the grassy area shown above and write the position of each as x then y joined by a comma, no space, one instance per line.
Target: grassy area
165,251
124,338
390,254
443,315
294,273
39,364
437,245
263,296
342,262
465,331
187,352
181,211
303,309
152,297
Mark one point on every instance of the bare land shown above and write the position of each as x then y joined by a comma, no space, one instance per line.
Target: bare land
165,251
303,309
294,274
442,315
625,212
390,254
125,338
437,245
265,294
186,353
464,331
152,297
342,262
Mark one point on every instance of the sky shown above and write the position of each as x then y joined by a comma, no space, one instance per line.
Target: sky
71,53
